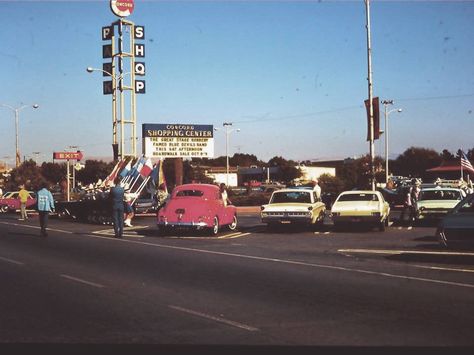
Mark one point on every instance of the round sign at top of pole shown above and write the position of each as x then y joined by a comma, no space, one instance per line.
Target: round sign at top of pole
122,8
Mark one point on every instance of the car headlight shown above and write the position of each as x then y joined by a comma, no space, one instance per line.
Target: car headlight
310,208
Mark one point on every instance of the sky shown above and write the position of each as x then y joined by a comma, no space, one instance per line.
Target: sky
291,75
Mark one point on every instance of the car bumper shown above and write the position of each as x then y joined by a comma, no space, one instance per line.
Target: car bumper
287,219
431,214
184,225
357,219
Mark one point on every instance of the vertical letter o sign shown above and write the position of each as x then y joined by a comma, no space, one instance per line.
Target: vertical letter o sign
122,8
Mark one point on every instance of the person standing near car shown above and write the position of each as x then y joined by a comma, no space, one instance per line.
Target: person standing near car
224,195
45,205
317,189
117,197
23,196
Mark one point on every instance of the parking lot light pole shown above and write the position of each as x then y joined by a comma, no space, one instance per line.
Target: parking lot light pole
17,110
387,113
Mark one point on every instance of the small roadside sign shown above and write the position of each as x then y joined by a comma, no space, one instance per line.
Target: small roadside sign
67,155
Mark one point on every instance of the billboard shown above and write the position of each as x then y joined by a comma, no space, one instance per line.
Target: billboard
178,140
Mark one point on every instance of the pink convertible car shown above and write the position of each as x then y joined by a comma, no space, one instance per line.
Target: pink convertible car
197,206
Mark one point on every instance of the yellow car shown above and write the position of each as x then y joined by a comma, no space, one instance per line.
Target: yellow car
293,206
361,206
436,202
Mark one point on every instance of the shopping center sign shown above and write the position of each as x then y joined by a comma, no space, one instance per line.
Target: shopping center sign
178,141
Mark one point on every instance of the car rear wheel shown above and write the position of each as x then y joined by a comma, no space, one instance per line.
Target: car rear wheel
215,227
233,225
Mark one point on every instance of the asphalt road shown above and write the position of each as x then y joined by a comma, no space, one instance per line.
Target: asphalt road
251,287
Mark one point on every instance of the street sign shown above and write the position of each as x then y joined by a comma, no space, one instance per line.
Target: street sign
122,8
67,155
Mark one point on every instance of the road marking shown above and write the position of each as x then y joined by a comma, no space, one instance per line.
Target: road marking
12,261
442,268
323,233
36,227
82,281
290,262
391,252
214,318
233,235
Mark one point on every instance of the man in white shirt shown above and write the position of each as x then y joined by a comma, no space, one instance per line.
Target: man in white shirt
317,189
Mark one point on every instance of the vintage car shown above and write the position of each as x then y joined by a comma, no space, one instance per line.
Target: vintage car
361,206
437,202
457,227
293,206
199,207
11,202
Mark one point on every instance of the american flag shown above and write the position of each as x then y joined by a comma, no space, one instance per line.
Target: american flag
465,163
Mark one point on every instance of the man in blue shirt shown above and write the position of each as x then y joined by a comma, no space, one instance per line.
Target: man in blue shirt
117,194
45,204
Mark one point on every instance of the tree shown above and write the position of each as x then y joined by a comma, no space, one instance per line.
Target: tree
93,171
331,184
28,174
287,169
415,161
446,155
53,172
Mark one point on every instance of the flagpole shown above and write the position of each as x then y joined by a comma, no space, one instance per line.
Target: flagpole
460,161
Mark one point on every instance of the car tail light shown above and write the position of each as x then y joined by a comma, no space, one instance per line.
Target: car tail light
336,213
376,214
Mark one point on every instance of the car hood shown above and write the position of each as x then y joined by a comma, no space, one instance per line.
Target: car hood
359,206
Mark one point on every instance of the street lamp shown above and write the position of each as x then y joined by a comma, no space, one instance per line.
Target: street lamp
228,131
387,113
17,110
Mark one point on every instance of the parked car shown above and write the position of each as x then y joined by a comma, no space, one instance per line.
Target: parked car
199,207
293,206
11,203
361,206
436,202
457,227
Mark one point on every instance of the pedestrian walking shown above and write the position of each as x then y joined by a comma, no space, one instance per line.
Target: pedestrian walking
117,196
23,196
129,214
45,205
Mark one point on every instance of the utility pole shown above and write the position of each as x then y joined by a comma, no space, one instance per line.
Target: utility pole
371,107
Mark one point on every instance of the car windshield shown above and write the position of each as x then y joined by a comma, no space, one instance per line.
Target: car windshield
439,195
291,196
195,193
358,197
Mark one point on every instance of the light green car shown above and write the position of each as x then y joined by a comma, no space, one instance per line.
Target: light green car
361,206
436,202
293,206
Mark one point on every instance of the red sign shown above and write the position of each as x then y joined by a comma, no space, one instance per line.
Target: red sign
68,155
122,8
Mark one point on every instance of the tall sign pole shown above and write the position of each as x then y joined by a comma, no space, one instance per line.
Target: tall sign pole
122,70
370,103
